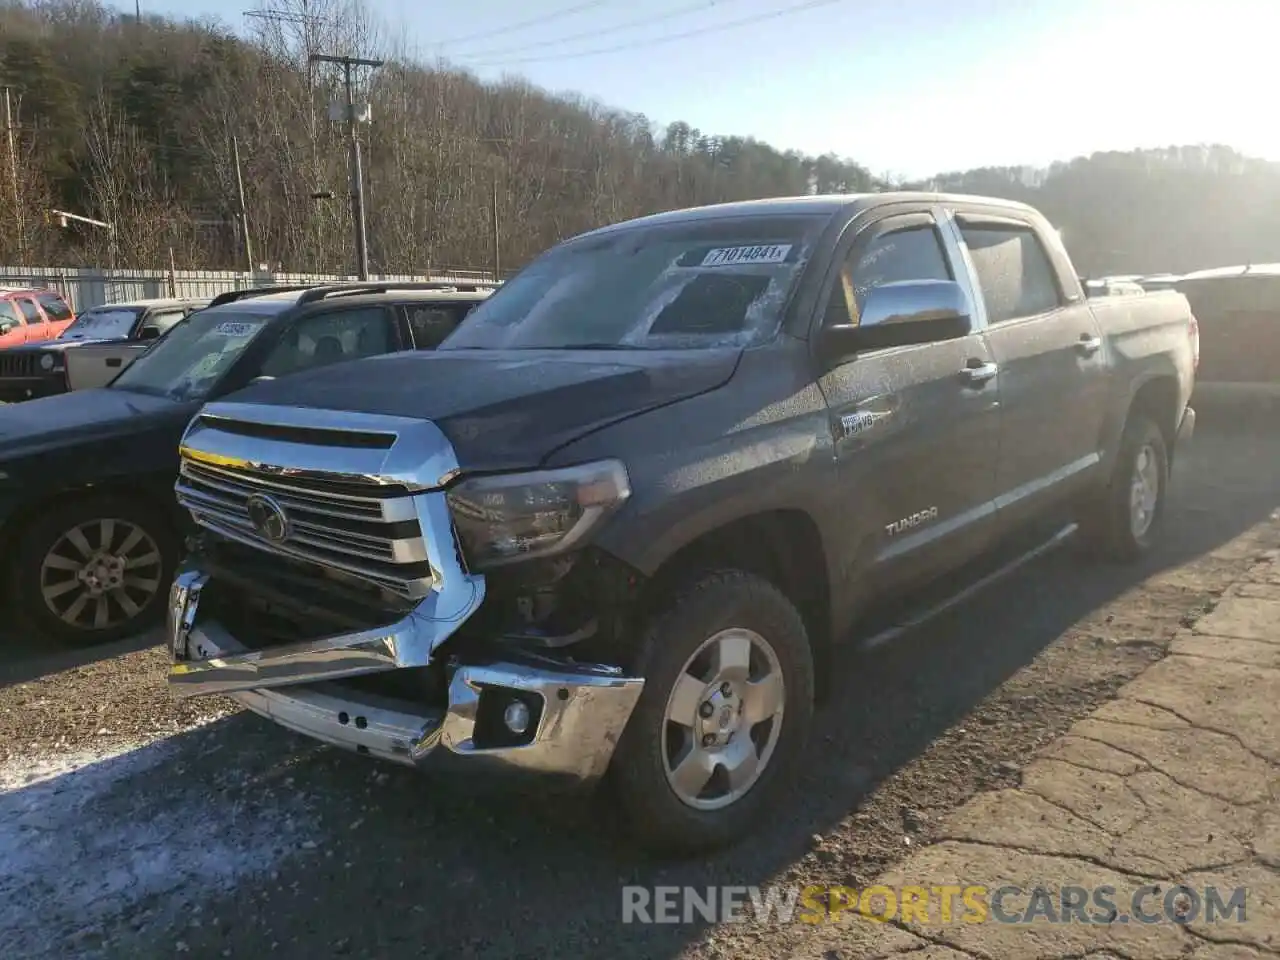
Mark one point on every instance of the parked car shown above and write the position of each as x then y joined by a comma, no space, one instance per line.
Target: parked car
92,350
28,315
89,530
1239,313
618,520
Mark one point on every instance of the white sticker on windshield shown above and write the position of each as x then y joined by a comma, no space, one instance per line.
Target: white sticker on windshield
732,256
235,328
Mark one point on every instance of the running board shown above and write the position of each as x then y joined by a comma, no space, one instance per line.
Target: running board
917,620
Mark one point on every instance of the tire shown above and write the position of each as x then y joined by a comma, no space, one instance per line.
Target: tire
51,562
1114,524
726,611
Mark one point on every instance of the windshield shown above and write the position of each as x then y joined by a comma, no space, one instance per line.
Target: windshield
707,283
106,323
189,360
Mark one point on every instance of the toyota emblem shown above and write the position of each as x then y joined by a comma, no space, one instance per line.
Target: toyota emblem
268,518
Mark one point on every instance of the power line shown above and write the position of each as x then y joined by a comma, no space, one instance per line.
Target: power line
666,38
531,22
586,34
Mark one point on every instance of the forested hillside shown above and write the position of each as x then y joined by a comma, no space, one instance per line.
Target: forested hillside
137,123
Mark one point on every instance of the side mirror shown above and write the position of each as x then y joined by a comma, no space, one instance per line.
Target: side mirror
900,315
149,333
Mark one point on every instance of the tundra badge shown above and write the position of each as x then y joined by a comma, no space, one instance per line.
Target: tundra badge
906,523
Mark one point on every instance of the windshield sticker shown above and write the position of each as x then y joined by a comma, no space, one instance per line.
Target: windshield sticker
733,256
235,328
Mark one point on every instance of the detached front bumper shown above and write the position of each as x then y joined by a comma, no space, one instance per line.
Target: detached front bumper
575,712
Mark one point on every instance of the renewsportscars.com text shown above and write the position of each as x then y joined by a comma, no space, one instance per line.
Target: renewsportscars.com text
940,904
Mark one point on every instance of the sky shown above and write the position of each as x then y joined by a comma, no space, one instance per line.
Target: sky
905,87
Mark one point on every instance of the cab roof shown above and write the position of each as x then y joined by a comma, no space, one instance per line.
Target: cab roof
820,204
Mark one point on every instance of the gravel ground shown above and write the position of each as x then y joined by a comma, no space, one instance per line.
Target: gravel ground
135,826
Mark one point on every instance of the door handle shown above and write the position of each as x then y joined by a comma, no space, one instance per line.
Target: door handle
978,372
1089,345
113,361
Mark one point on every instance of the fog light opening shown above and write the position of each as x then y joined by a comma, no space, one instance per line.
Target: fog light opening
516,717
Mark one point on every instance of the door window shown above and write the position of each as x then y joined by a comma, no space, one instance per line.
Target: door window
163,320
55,307
326,338
432,322
912,253
9,319
30,310
1014,273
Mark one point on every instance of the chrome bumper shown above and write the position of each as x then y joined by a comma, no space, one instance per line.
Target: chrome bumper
580,709
207,659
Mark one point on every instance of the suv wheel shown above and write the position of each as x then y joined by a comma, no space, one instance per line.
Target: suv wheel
94,569
723,718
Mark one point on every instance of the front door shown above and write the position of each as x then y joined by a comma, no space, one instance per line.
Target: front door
13,329
37,329
916,436
316,340
1052,367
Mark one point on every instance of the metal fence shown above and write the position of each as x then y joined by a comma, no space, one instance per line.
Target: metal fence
85,287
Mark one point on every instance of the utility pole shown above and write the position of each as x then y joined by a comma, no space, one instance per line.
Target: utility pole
244,212
348,64
12,143
494,209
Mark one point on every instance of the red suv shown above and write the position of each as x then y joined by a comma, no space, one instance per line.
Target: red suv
29,316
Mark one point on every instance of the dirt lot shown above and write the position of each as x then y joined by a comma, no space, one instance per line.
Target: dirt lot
136,827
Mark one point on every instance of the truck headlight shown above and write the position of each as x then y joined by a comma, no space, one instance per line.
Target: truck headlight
502,518
46,361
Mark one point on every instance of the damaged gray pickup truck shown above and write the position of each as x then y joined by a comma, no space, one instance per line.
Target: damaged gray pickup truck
616,522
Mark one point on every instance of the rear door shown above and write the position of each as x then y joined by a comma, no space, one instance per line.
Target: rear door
916,438
13,327
1049,351
37,328
60,315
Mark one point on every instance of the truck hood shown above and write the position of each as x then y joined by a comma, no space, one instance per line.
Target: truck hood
84,416
506,409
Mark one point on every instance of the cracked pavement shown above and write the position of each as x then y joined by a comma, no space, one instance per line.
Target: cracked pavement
1175,782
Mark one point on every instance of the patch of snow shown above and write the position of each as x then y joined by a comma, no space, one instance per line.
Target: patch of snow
91,838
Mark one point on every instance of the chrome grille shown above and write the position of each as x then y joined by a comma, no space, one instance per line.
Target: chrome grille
23,364
359,493
375,538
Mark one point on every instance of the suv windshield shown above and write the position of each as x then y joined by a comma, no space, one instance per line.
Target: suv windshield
189,360
107,323
705,283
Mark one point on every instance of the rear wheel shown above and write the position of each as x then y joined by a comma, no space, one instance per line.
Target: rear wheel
1123,521
95,569
723,718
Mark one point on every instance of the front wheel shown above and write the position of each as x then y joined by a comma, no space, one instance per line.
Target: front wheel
94,569
723,718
